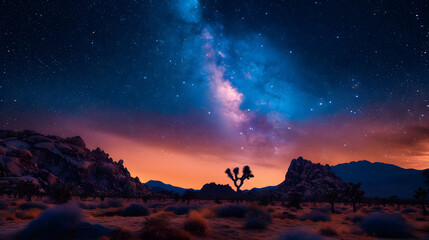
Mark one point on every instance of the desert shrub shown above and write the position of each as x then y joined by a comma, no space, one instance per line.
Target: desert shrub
328,231
425,228
111,203
294,234
386,225
207,212
196,224
232,210
3,205
31,213
103,205
321,209
54,223
357,218
377,208
135,210
257,220
180,210
120,234
156,205
158,228
110,214
115,203
31,205
408,210
271,209
170,209
88,206
315,217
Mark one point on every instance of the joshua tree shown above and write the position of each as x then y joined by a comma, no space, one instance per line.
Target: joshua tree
420,194
355,193
247,174
332,197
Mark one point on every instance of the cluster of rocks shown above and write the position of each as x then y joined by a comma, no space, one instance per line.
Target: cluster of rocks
309,180
48,160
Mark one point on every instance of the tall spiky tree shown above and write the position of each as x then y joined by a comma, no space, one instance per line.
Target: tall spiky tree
355,193
420,194
238,181
332,197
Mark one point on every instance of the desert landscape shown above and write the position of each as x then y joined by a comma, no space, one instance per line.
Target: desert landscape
56,188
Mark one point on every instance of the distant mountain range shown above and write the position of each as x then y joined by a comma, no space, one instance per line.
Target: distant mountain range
381,179
378,179
158,186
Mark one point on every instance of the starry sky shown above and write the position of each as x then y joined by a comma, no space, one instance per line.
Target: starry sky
183,89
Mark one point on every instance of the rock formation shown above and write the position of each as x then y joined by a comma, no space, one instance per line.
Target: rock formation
309,180
47,160
216,191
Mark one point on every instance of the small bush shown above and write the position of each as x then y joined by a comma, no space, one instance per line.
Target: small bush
3,205
115,203
88,206
386,225
315,217
31,213
196,224
328,231
111,203
54,223
207,212
135,210
120,234
408,210
377,208
294,234
31,205
183,210
158,228
257,220
232,210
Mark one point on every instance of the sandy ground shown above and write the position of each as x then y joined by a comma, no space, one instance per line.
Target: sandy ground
228,228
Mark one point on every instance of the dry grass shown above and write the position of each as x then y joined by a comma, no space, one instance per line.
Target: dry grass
196,224
31,213
328,231
159,228
208,212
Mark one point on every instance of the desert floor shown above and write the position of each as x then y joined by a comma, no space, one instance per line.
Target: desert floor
344,224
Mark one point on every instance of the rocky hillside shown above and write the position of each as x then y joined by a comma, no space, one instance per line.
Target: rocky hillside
47,160
309,180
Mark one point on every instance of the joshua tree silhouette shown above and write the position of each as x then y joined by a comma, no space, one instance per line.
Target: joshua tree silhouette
420,194
355,193
332,197
247,174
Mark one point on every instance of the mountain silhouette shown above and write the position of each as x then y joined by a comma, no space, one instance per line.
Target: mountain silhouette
158,186
381,179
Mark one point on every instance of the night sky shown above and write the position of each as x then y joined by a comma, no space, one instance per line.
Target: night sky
183,89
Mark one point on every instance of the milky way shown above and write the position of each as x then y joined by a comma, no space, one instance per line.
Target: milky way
215,84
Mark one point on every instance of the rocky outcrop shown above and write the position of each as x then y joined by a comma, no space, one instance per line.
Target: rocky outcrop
216,191
46,160
309,180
